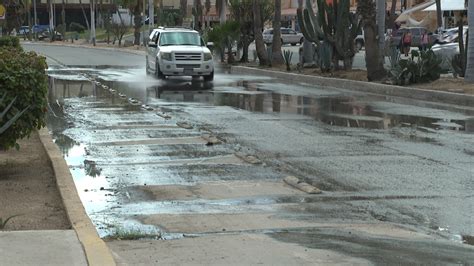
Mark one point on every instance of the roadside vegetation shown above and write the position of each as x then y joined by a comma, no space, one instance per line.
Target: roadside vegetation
331,28
23,92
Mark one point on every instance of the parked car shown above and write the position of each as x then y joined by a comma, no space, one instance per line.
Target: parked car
359,42
46,35
178,52
23,30
451,35
416,33
447,51
288,36
36,29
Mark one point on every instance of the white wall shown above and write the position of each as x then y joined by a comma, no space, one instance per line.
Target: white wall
127,17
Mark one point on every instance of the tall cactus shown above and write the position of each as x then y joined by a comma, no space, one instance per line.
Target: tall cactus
334,24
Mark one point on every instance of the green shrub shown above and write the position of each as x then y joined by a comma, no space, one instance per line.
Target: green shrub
22,80
10,41
76,27
422,66
224,36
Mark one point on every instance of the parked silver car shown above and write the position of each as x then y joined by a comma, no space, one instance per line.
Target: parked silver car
451,35
288,36
447,50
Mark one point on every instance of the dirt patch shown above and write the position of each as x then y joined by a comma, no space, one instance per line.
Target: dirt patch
28,188
354,74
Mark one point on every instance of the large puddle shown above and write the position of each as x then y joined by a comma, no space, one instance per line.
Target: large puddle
93,112
255,94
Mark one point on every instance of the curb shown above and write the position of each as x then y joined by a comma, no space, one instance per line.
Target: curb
362,86
97,252
137,52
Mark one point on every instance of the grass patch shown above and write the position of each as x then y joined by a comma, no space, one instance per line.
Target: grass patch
3,223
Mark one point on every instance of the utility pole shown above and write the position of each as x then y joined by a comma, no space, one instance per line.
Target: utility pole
92,22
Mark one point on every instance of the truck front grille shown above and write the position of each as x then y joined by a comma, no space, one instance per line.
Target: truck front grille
188,66
187,56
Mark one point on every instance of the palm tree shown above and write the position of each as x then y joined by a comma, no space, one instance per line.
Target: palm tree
197,14
183,5
221,8
92,33
439,14
380,5
375,69
277,56
137,20
308,50
207,7
257,29
470,45
392,14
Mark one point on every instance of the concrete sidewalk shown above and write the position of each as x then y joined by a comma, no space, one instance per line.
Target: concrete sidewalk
42,247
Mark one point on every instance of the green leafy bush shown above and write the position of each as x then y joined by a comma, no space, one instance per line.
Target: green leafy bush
10,41
74,26
422,66
23,81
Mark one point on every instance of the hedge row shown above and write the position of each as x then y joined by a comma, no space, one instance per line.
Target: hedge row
22,75
10,41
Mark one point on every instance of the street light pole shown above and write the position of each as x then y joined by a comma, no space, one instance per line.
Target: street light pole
51,20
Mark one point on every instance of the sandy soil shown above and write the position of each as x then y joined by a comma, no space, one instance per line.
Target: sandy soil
28,189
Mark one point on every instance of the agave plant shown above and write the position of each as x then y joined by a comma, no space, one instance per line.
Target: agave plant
287,55
423,66
12,120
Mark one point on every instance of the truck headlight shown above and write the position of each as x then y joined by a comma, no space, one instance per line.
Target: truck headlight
207,56
166,56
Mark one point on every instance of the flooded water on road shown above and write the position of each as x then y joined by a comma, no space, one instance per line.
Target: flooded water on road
111,125
257,95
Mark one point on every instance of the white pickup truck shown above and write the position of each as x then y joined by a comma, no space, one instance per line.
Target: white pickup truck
178,52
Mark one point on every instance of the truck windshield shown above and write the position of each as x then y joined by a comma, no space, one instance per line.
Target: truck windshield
180,38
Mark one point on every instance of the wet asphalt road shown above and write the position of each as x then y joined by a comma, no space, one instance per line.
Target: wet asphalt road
404,166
